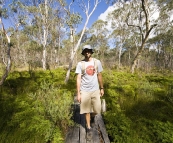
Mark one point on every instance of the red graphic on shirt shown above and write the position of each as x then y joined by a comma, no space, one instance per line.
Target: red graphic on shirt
90,70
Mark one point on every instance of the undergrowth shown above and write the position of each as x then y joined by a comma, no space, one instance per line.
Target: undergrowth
139,107
36,107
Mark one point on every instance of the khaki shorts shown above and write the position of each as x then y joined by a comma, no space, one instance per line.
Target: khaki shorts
90,101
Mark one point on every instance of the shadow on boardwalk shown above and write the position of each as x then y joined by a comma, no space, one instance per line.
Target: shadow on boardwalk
77,134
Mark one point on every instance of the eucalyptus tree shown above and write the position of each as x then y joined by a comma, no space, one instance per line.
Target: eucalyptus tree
57,34
42,16
72,21
120,32
17,20
88,7
161,42
140,23
99,37
7,62
7,43
143,23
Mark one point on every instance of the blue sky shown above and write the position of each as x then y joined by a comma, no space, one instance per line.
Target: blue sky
101,8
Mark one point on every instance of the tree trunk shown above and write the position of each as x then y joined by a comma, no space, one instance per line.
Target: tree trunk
88,15
72,57
8,65
44,58
138,55
145,35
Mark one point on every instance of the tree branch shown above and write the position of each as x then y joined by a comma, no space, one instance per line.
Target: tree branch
148,32
146,11
139,27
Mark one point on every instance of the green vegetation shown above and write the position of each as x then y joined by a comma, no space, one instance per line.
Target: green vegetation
139,107
36,107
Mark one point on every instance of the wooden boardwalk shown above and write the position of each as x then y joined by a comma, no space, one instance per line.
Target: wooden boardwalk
77,134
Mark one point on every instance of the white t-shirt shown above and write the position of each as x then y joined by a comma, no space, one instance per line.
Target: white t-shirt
89,80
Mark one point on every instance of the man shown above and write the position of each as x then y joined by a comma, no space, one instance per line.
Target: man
89,78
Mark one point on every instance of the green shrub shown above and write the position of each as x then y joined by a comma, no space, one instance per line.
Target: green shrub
139,108
38,111
36,107
118,126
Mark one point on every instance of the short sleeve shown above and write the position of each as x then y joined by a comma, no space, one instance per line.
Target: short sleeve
100,68
78,68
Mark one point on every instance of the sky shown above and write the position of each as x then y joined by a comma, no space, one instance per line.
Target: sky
100,13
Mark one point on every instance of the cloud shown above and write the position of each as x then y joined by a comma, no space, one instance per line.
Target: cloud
110,9
104,15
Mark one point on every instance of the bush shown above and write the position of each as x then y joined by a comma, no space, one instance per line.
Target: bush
38,111
138,108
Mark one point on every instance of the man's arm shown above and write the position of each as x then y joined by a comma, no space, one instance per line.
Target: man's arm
99,75
78,87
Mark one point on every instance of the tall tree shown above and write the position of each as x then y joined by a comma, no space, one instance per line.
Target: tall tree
144,27
88,10
8,63
120,31
43,15
140,22
3,14
99,38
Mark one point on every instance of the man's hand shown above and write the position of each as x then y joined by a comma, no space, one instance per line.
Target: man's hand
101,92
79,97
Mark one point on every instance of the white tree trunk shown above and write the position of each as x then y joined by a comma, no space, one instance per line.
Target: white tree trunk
45,32
44,59
8,64
96,2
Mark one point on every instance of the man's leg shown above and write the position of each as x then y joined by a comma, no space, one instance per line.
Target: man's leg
89,129
87,116
96,102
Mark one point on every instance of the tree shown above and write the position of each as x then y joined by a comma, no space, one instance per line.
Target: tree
8,64
120,31
43,15
3,13
138,18
144,28
99,37
86,7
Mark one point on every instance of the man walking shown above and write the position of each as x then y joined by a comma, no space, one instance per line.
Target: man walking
89,84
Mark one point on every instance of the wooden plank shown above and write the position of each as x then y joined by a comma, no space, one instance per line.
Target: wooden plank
95,137
82,129
75,138
95,131
95,134
98,130
76,135
73,135
82,134
69,136
102,128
